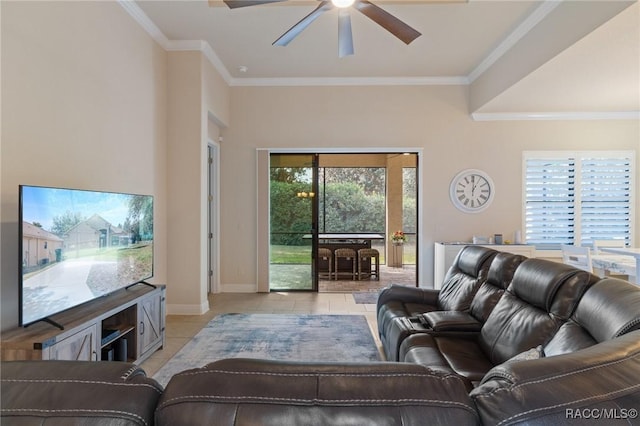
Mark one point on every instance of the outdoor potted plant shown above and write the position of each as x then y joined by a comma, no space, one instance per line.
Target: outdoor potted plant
397,239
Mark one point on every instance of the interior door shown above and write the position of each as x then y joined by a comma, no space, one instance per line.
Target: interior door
293,222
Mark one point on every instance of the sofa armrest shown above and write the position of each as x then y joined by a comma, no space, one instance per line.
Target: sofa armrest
249,391
77,392
450,321
554,390
426,296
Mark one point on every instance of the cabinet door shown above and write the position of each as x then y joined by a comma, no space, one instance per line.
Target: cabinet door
150,322
80,346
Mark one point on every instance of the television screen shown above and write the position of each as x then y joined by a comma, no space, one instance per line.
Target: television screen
77,245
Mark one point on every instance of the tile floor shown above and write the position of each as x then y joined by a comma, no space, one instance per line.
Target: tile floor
181,328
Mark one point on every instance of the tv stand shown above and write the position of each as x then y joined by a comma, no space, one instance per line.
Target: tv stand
127,325
141,282
47,320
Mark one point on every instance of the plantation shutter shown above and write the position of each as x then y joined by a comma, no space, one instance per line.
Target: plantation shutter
605,209
578,198
549,202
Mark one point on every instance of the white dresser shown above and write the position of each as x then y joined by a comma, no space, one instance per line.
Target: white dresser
445,253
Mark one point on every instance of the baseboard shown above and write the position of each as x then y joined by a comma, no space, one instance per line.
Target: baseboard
173,309
238,288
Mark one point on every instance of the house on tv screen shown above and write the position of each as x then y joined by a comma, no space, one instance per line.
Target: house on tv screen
40,246
95,232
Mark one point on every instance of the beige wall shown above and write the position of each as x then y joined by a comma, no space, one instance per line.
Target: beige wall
432,118
84,106
90,101
198,105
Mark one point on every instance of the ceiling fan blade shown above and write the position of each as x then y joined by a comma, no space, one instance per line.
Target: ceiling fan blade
294,31
233,4
345,36
386,20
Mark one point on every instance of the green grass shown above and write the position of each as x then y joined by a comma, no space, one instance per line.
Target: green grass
290,254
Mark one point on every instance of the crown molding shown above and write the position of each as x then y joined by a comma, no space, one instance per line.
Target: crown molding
200,45
203,47
174,45
529,116
531,21
352,81
145,22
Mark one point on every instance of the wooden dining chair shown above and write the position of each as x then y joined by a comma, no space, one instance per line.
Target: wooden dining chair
578,257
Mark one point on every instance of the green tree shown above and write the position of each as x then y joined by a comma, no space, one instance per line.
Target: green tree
289,174
290,214
63,223
347,208
372,180
140,219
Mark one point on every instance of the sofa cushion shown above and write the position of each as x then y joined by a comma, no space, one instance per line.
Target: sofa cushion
551,286
450,321
600,380
515,326
607,310
538,301
570,337
460,355
465,276
503,267
251,392
77,393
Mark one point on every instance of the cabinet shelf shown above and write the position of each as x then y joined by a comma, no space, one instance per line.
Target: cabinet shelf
117,334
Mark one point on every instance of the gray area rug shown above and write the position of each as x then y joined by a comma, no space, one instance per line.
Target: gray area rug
366,297
289,337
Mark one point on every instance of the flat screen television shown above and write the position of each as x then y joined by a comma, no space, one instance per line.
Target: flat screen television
78,245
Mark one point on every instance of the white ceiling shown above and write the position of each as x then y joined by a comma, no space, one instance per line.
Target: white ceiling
460,43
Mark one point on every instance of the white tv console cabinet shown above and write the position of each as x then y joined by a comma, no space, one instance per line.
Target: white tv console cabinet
128,325
445,253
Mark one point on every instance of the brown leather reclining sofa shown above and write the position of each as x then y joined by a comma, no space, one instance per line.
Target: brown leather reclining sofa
534,342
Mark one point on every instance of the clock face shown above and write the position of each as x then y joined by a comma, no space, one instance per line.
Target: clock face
471,190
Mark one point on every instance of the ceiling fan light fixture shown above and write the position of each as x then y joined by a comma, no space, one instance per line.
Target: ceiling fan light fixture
342,3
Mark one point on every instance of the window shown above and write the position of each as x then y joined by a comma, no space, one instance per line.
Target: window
577,197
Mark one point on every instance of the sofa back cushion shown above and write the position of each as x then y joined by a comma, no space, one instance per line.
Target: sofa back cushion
76,393
468,272
499,276
565,389
261,392
609,309
531,311
552,286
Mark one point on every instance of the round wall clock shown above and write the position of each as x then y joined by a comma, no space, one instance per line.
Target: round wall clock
471,191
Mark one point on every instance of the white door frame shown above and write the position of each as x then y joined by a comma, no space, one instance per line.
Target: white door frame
213,209
262,237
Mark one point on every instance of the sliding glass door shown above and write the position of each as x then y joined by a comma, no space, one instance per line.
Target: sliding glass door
293,221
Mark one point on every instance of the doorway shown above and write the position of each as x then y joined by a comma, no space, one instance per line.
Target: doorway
348,199
293,218
213,223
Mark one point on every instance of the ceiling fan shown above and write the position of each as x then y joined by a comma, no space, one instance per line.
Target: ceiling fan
345,38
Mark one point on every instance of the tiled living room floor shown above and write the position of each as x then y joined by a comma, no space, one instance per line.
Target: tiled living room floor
181,328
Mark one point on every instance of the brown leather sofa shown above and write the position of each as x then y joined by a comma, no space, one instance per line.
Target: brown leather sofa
76,393
276,393
467,273
560,347
478,305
